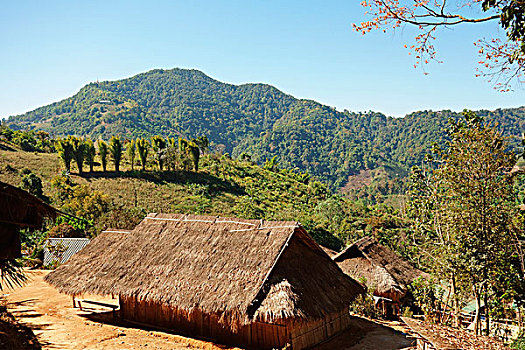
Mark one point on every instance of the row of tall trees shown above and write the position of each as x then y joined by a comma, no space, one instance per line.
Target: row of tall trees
171,153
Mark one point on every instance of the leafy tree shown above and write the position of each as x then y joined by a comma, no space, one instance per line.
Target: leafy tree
143,149
44,142
103,153
158,144
501,58
202,142
271,164
115,149
90,153
463,208
130,152
189,150
32,184
65,152
194,152
79,151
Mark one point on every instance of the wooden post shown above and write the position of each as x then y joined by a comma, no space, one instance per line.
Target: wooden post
73,297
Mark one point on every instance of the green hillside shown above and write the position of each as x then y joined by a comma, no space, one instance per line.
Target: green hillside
254,118
223,187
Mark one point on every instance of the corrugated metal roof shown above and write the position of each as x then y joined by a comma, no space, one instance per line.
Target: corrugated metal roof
62,249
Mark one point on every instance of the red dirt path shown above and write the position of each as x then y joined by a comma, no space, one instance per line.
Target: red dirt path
58,325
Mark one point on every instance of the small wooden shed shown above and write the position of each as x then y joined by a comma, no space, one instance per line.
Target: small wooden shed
249,283
19,209
382,269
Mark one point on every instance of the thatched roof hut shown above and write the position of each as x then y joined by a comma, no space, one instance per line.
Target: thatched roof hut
19,209
247,282
384,270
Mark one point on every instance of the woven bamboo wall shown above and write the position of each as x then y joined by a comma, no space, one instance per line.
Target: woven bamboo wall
201,325
308,334
255,335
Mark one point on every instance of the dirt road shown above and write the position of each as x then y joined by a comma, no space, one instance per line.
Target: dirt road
58,325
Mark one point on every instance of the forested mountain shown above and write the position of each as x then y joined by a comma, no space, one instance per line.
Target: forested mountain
257,119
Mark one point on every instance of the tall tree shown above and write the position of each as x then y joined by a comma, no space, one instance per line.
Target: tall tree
115,149
90,154
131,152
190,154
159,145
203,143
79,151
65,152
194,152
143,149
103,153
463,209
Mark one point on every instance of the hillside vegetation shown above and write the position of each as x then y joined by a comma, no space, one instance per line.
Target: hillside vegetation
257,119
223,187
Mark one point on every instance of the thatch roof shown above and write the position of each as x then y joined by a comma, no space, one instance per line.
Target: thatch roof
19,209
242,270
382,268
331,253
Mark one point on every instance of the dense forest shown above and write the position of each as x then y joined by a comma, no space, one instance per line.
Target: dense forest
259,120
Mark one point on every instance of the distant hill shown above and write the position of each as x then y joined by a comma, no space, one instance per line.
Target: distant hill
257,119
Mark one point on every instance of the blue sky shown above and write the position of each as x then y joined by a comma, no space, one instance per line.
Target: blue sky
50,49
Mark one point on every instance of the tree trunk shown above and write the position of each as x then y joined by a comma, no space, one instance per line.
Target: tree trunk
477,319
487,319
455,302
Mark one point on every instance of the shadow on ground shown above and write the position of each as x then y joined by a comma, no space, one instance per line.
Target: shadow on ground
216,184
17,336
109,318
364,334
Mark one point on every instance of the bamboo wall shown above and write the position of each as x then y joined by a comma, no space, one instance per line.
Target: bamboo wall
202,325
308,334
255,335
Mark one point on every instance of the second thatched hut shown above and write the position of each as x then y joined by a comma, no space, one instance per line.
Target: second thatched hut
388,274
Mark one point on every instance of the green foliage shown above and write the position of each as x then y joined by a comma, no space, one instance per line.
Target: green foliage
428,297
463,207
130,152
159,145
364,304
80,201
518,343
271,164
79,151
115,149
33,184
90,153
260,120
77,224
103,153
65,152
143,149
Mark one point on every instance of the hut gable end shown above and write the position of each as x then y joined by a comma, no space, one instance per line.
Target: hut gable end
381,267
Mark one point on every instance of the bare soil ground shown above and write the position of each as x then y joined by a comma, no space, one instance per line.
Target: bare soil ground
57,325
